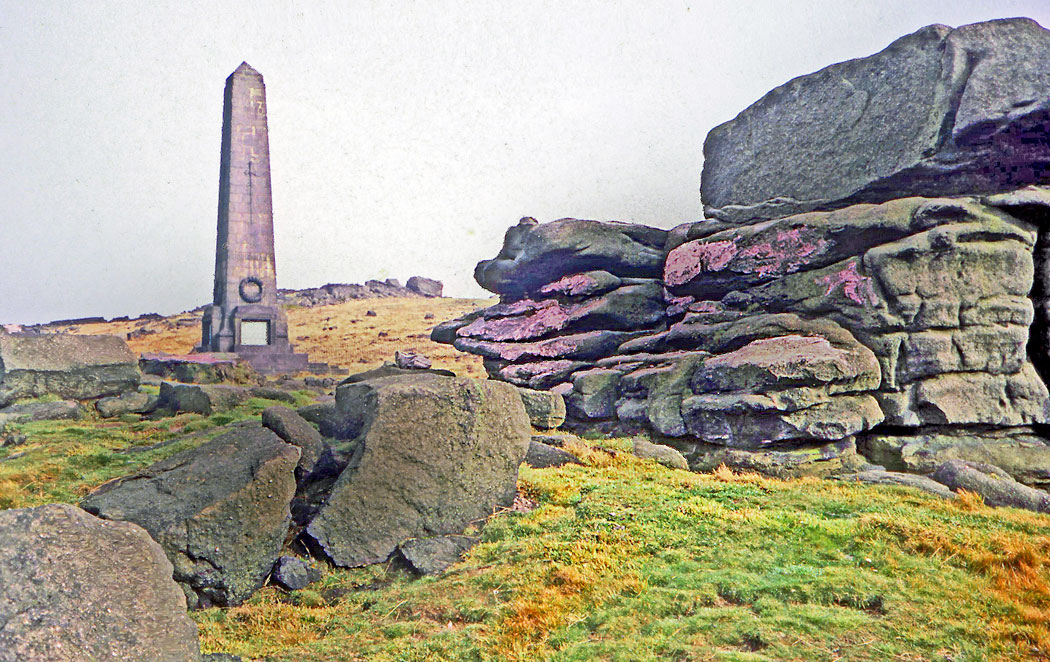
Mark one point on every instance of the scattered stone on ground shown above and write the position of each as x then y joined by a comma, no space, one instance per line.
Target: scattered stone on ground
664,455
543,456
220,511
74,587
129,402
61,410
435,554
270,393
993,484
411,360
882,477
205,399
292,573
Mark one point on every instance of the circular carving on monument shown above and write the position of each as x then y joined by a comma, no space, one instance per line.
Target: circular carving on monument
251,289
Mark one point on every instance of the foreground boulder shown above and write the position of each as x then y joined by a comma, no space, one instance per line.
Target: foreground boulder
74,587
220,511
205,399
938,112
69,366
435,454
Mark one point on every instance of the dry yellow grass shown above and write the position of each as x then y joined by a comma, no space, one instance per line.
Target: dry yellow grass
340,334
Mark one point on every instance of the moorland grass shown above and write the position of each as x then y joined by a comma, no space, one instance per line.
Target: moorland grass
622,560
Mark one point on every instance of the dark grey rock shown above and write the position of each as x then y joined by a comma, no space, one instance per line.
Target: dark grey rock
806,460
594,394
434,555
437,453
938,112
556,440
546,410
131,402
293,573
220,511
74,587
534,254
882,477
328,420
542,456
297,431
269,393
994,485
428,287
204,399
69,366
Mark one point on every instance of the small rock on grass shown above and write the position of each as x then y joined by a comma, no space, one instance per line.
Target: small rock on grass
994,485
665,455
293,573
542,456
432,556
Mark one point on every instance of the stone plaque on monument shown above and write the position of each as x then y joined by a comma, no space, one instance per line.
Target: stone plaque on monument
245,317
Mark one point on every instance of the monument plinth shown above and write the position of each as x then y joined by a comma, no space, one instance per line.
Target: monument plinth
245,317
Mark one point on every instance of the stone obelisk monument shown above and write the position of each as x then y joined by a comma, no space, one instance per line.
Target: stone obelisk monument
245,317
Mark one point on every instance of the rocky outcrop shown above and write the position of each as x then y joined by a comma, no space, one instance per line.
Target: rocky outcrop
69,366
899,297
938,112
334,293
219,511
435,454
74,587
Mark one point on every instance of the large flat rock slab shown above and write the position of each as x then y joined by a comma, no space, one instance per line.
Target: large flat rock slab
69,366
938,112
220,511
74,587
436,454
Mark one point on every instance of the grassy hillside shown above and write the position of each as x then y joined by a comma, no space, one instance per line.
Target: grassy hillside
342,334
619,559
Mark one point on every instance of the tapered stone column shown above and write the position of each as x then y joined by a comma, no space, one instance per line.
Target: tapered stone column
245,317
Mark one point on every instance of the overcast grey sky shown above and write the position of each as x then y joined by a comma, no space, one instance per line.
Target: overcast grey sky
404,136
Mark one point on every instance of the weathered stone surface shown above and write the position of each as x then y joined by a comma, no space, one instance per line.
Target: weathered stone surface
1017,451
331,423
437,453
938,112
293,573
665,455
270,393
74,587
809,460
633,306
389,369
297,431
546,410
62,410
210,368
594,394
586,284
544,456
409,360
204,399
880,477
434,555
220,511
131,402
534,255
760,419
427,287
69,366
579,346
994,485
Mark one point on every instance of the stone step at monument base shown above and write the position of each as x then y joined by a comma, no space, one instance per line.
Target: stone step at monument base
269,362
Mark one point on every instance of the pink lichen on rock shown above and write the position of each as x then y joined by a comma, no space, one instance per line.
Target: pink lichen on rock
783,254
573,285
694,258
855,286
546,317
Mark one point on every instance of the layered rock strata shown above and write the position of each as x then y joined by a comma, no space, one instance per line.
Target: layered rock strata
908,318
